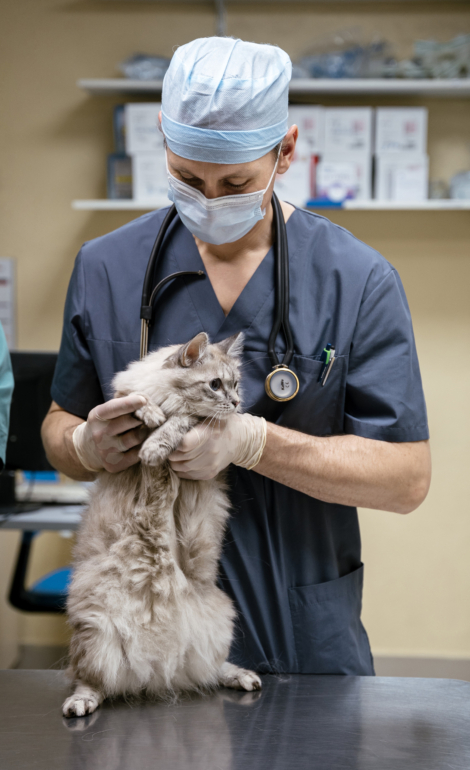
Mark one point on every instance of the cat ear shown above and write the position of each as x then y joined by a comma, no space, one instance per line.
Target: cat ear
193,351
232,346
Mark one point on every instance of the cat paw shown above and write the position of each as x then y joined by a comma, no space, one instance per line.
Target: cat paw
153,454
80,705
151,415
241,679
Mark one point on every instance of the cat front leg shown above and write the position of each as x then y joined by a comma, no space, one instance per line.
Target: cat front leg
163,441
150,414
85,700
238,678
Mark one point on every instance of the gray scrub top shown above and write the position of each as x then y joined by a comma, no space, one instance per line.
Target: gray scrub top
291,563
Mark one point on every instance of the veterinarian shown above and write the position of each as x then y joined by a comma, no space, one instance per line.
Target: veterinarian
292,557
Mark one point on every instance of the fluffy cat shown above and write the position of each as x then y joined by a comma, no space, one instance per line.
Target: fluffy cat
146,614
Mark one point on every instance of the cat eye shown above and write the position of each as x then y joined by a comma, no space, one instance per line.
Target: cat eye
215,384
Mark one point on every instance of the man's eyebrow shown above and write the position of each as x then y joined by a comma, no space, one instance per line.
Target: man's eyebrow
235,175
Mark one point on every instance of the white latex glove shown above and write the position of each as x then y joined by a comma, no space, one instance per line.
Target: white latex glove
208,448
111,436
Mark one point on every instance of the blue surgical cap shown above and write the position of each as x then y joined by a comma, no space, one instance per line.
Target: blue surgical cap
225,100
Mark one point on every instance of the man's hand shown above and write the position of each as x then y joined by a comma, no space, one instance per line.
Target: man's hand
210,447
111,437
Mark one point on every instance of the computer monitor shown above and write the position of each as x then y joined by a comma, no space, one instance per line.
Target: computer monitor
33,373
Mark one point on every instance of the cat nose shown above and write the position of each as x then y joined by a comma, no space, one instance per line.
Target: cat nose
235,401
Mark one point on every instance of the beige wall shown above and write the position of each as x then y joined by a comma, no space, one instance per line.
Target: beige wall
53,142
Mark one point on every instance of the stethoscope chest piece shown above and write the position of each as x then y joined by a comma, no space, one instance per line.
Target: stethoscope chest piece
282,384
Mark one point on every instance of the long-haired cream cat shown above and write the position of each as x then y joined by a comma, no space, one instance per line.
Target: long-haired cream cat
146,614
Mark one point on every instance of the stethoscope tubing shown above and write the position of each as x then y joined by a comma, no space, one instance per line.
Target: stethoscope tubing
281,301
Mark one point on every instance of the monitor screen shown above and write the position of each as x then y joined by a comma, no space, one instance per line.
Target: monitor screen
33,374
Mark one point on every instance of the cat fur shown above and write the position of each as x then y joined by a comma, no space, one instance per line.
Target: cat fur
146,615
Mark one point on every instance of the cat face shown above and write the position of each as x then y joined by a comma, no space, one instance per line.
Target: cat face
207,376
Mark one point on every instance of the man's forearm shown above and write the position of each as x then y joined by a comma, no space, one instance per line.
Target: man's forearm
57,430
349,470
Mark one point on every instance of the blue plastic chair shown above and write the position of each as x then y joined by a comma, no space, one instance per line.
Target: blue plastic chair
48,594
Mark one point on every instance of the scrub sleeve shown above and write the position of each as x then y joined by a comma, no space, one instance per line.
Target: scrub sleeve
291,563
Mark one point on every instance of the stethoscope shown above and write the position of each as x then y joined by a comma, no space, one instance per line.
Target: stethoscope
281,384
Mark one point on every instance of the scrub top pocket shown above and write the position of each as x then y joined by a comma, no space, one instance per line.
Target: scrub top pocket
328,634
317,410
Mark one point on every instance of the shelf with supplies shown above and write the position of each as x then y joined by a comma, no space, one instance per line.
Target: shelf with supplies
452,88
349,205
366,158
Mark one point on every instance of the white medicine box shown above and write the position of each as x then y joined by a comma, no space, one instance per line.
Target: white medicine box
142,132
401,129
149,178
348,129
310,121
297,185
342,176
401,177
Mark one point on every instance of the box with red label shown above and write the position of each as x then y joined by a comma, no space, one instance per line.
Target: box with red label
401,129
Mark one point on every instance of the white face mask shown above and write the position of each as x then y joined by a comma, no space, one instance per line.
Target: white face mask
217,220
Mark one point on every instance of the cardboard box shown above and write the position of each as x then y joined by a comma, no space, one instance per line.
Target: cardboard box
401,177
141,128
149,178
401,129
348,129
344,175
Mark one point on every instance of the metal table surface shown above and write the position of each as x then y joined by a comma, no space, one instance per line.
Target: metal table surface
314,722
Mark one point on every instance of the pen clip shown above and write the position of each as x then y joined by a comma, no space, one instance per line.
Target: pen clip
328,370
325,358
328,358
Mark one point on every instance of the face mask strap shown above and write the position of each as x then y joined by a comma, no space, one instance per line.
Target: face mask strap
275,166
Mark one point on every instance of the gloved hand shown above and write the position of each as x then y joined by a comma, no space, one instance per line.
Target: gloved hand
208,448
111,437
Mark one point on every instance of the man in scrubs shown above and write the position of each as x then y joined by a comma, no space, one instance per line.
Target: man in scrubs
292,556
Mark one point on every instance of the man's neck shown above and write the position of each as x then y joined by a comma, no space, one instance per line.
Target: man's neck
230,266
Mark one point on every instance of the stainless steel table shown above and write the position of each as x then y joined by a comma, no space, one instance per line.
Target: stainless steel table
296,722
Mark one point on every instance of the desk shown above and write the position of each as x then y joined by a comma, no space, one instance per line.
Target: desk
54,517
295,723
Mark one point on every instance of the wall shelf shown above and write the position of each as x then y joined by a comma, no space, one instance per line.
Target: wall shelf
428,205
303,87
369,205
102,204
